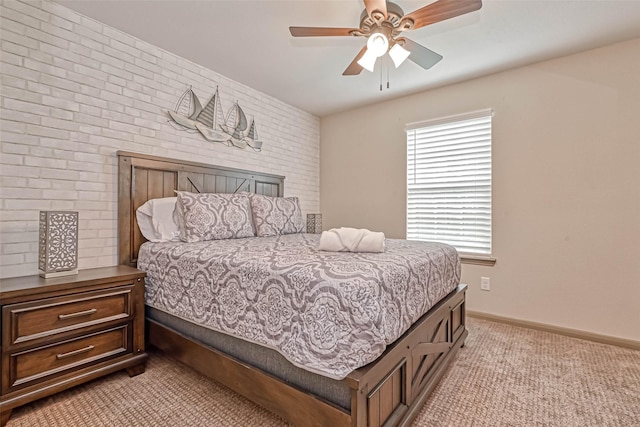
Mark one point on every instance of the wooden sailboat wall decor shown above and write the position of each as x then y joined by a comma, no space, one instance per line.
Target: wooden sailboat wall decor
234,130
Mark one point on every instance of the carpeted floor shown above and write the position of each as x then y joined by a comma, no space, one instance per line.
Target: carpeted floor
504,376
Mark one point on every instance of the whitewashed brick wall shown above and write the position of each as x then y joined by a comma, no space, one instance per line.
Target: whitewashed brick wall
74,91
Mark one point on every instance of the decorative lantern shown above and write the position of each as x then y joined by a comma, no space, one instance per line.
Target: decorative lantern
58,243
314,223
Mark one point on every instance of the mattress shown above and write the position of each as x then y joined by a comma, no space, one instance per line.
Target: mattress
325,312
266,359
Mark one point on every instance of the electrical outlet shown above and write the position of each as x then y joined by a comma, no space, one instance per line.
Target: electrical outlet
485,284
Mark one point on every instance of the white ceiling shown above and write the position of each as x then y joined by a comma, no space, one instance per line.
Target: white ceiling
249,41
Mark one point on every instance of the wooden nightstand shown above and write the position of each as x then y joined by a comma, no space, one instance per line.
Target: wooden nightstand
58,333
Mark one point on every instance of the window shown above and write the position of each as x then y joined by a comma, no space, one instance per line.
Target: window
449,182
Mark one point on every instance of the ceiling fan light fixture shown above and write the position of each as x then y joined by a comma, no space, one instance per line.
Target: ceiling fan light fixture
398,54
377,44
368,61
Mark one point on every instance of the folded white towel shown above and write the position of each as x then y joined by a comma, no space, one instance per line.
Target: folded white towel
346,239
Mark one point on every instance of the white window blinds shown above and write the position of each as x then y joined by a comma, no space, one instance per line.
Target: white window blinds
449,181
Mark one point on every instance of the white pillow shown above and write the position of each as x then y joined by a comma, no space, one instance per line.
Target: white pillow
155,220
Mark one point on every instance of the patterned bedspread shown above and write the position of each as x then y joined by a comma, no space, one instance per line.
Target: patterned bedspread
327,312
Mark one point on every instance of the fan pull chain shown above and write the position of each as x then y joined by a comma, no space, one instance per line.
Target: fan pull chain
384,63
387,63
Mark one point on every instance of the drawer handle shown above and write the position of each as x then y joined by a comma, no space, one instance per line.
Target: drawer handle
75,352
78,314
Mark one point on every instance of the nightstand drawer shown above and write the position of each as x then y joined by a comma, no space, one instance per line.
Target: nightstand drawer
43,318
41,363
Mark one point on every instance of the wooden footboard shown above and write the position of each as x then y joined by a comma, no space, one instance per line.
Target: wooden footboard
387,392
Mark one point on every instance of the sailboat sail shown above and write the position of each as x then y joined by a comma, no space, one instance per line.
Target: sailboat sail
210,118
187,108
211,112
252,137
252,133
242,120
188,104
229,125
236,122
218,117
235,126
184,104
241,124
206,115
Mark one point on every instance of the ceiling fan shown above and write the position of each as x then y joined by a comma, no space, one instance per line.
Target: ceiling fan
382,22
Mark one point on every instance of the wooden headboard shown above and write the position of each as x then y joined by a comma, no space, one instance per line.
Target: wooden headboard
142,177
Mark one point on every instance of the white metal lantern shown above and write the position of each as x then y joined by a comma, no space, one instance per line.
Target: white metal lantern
58,243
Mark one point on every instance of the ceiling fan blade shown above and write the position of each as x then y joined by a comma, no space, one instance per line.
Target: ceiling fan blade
442,10
373,5
320,31
426,58
354,68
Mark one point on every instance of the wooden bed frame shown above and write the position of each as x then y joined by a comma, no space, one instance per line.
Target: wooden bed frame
387,392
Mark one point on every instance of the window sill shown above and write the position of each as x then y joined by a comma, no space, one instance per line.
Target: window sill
478,260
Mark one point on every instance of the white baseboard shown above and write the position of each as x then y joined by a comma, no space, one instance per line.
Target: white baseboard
574,333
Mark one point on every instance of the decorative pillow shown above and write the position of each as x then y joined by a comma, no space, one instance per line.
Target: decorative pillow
156,221
276,215
213,216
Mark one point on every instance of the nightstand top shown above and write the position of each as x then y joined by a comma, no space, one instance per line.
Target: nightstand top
18,286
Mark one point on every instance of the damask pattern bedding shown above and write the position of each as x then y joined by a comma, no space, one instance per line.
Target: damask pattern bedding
327,312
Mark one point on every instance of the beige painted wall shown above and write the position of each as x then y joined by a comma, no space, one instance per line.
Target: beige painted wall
566,185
